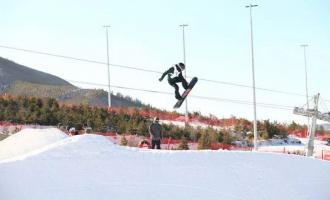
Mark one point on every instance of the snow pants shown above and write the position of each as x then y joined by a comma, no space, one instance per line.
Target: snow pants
155,143
175,80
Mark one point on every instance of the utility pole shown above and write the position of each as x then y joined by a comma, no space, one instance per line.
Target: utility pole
185,71
108,64
255,131
307,103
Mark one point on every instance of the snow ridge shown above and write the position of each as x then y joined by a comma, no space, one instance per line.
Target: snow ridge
92,167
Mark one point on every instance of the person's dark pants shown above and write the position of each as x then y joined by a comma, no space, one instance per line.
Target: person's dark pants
175,80
155,143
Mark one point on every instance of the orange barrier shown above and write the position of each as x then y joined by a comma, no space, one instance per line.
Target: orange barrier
325,155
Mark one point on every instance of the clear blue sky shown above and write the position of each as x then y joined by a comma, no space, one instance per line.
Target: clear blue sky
146,34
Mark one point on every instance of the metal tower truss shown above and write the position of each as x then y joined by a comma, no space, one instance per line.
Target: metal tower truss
315,114
311,113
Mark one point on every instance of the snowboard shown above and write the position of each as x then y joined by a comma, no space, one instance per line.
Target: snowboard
186,92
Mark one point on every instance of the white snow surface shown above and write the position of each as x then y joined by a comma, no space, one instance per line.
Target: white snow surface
89,167
28,140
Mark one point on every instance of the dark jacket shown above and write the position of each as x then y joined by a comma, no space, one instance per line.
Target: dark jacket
171,73
155,131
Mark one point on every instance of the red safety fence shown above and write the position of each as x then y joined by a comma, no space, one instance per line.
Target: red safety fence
325,155
108,134
322,154
5,123
303,134
174,116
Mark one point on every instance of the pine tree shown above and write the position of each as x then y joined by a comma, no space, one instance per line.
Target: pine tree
227,138
142,129
183,144
204,141
123,141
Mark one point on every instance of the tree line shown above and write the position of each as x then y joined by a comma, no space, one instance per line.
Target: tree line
48,111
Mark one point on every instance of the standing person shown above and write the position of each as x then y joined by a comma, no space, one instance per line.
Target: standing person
174,75
155,131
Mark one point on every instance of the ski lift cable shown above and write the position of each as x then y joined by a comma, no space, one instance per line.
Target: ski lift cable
307,103
147,70
267,105
323,105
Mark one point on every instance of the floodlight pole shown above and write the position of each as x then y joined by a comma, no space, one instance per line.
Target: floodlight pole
307,103
255,131
108,64
185,71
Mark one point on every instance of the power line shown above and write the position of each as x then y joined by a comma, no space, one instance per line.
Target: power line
77,59
154,91
247,86
267,105
148,70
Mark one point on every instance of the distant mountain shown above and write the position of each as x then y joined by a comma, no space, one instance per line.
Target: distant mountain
17,80
11,72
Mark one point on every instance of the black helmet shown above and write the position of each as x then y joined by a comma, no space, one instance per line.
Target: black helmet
182,66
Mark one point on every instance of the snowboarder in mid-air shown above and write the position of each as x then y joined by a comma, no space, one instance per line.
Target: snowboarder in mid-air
174,76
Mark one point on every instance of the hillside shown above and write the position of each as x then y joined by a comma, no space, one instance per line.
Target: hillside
19,80
11,72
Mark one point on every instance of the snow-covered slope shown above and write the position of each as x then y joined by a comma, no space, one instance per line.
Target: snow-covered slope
91,167
28,140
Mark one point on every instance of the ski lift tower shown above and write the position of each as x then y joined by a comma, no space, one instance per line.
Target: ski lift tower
314,114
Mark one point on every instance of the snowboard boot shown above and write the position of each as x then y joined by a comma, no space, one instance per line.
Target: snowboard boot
178,96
